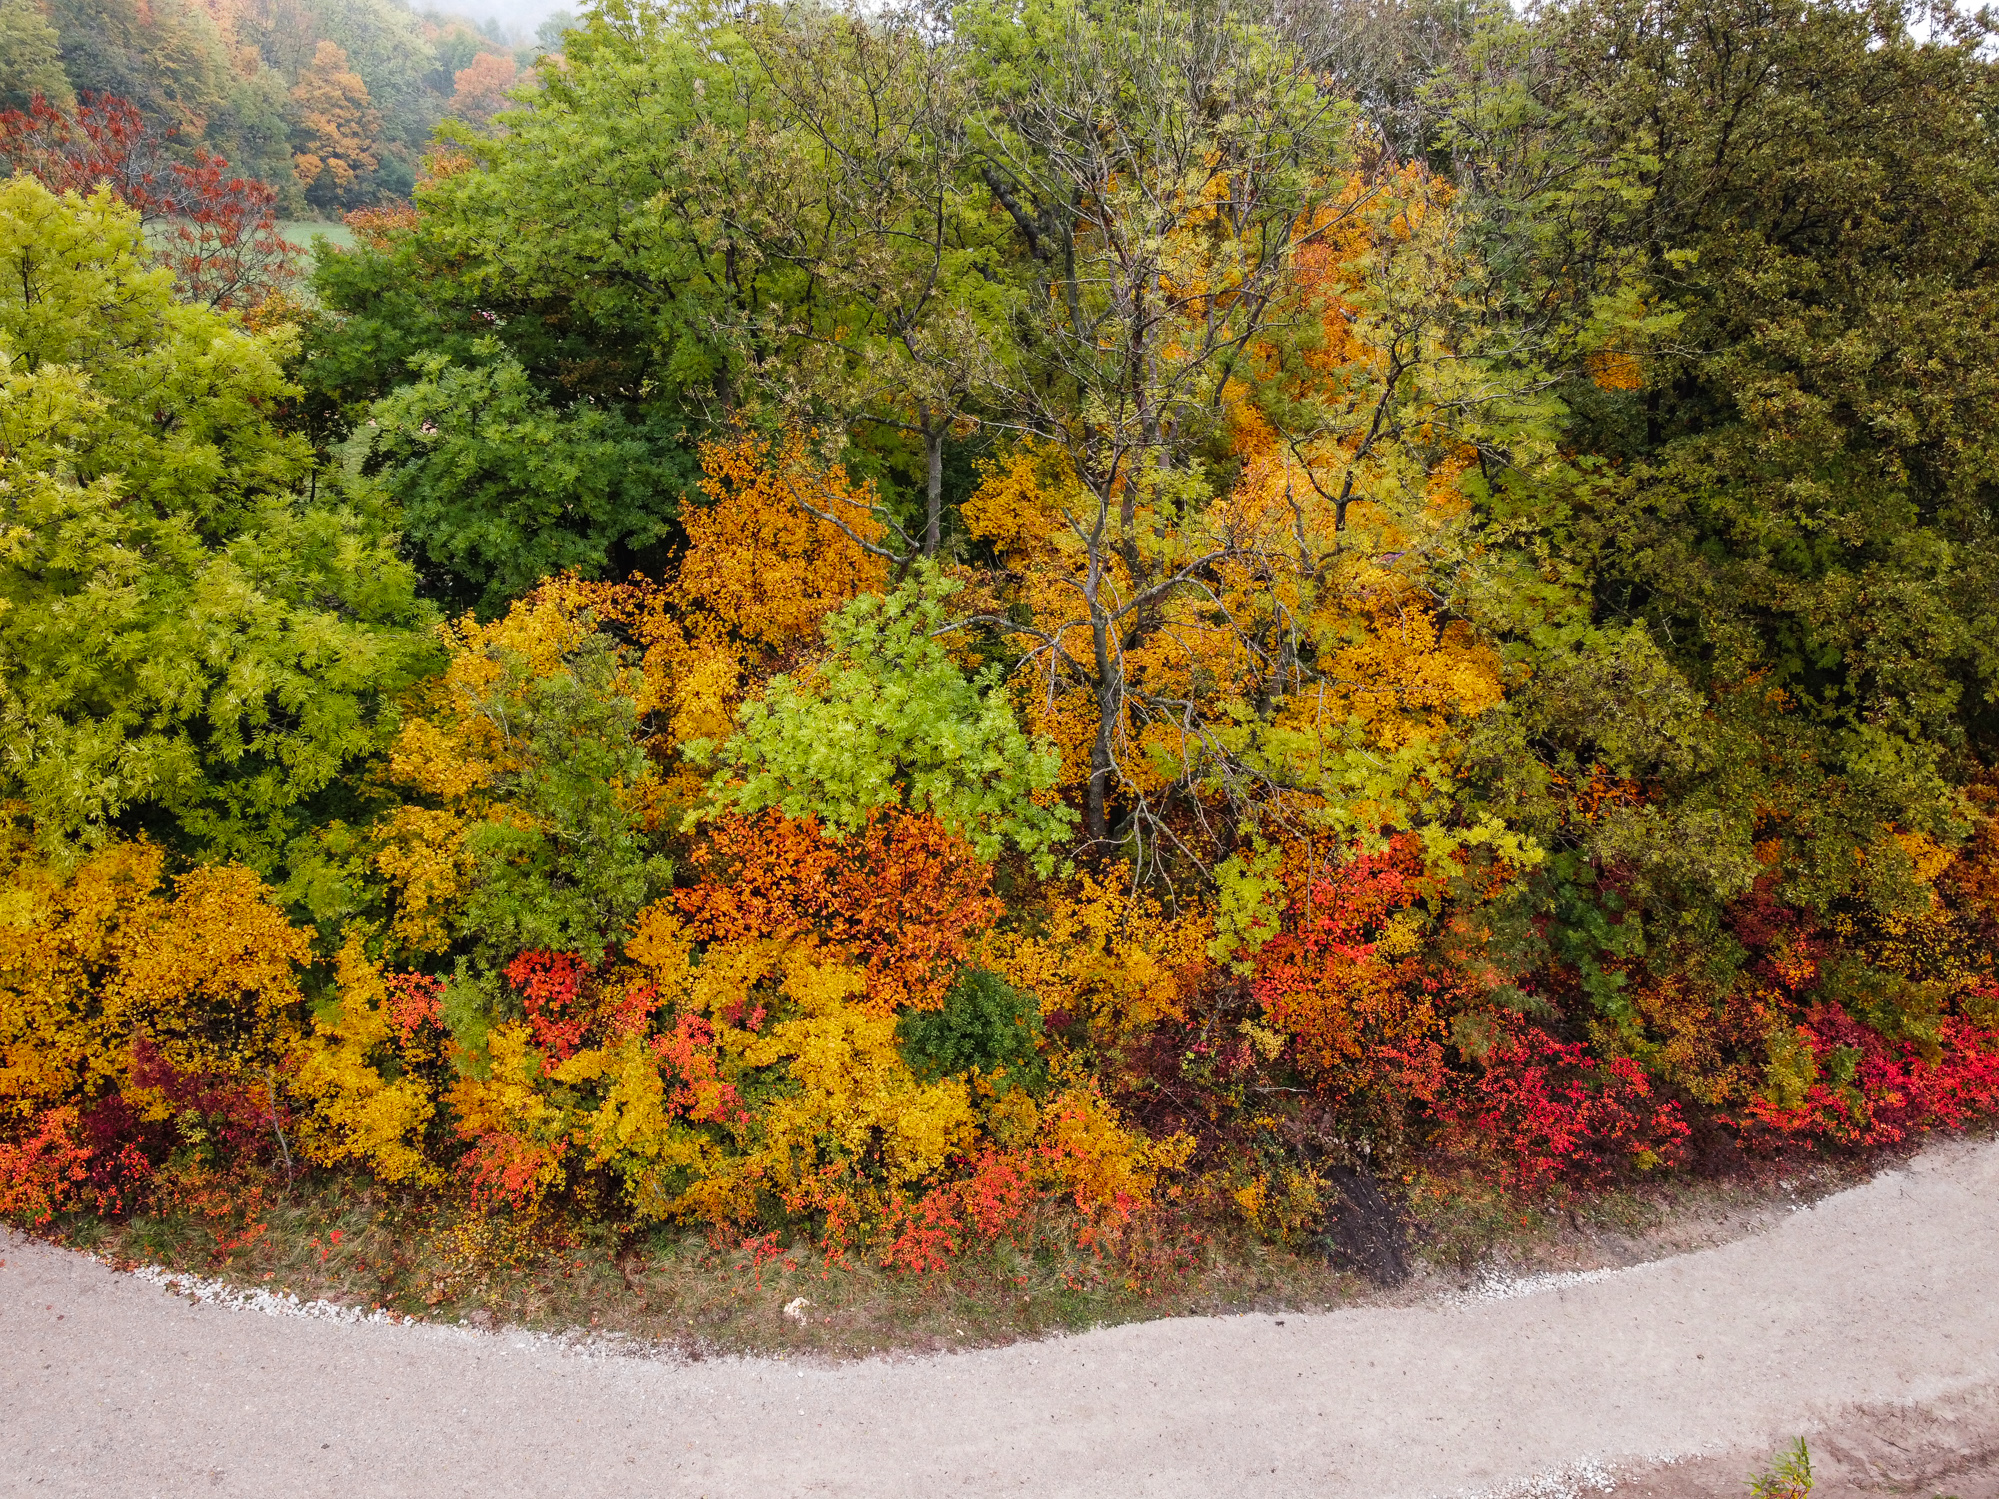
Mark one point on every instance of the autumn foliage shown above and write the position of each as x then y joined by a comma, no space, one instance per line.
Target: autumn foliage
217,230
1045,681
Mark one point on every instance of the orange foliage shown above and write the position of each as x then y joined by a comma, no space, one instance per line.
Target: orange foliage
758,568
1343,977
903,894
479,90
338,124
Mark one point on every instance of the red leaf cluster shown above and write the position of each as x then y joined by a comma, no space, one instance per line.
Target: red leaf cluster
1550,1110
220,236
1871,1091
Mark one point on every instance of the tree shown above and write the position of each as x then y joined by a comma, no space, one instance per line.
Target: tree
30,62
334,140
888,720
502,488
1162,175
480,88
185,645
875,208
1794,505
217,231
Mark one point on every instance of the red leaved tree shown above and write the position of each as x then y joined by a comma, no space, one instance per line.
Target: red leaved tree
217,232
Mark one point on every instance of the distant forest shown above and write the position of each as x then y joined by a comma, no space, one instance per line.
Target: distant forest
331,102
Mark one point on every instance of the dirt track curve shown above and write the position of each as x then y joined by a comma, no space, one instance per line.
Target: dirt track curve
1871,1320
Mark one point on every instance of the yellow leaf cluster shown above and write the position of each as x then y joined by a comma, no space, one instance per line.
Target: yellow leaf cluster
1108,1170
1108,954
357,1113
95,958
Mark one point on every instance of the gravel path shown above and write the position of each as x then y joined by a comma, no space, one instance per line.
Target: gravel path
1877,1299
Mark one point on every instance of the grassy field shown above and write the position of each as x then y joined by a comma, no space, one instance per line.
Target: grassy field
303,232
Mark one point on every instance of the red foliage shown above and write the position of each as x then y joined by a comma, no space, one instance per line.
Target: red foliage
567,1004
1551,1110
903,891
995,1194
223,244
551,985
222,241
921,1235
503,1168
413,1004
1871,1091
699,1093
239,1117
47,1173
1364,1022
74,1160
105,143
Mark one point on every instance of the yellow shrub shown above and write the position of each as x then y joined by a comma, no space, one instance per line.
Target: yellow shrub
1115,958
1109,1170
357,1113
96,959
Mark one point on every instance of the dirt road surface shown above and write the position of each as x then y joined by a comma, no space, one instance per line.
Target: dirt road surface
1869,1321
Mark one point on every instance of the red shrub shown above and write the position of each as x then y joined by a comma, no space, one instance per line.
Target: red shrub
1549,1109
995,1194
921,1235
1871,1091
551,986
1365,1022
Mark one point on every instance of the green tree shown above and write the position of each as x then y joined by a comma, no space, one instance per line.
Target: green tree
887,719
570,863
1793,498
30,58
501,488
188,394
182,651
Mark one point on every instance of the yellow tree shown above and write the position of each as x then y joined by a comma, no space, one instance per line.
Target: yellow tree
335,139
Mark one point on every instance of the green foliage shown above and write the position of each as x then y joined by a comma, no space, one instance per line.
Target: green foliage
187,393
30,63
176,644
501,489
986,1026
887,718
1789,1475
567,863
1792,498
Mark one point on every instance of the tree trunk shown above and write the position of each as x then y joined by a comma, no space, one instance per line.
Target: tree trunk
1097,815
933,453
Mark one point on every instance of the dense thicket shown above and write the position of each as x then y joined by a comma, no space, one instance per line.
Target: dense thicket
862,619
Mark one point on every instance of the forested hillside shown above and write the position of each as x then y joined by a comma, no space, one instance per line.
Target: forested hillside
895,631
330,102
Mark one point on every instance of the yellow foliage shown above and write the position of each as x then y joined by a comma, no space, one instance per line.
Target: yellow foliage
94,959
662,948
357,1113
1926,856
423,856
758,565
1281,1205
1615,369
428,759
855,1094
1107,954
1109,1170
1017,506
